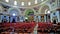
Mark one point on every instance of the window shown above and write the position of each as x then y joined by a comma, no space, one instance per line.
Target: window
29,3
42,0
7,0
15,2
22,3
36,2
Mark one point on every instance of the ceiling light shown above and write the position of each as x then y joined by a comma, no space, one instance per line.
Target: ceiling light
22,3
15,2
7,0
36,2
29,3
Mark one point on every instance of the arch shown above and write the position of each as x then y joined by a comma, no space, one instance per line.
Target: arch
44,8
29,12
14,10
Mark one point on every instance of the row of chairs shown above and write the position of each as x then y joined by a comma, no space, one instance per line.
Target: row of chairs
27,27
47,27
18,27
15,33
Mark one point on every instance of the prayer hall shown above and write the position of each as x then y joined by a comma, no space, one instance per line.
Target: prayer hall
29,16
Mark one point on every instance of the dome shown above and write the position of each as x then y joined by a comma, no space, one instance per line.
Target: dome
22,3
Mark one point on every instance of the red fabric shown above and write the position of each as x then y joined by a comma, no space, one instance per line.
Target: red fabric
44,25
28,26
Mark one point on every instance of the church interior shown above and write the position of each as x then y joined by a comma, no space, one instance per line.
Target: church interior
29,16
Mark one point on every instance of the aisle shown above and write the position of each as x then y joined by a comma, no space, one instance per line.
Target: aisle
35,29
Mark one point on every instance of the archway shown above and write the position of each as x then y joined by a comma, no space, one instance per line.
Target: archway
29,14
14,13
44,13
44,9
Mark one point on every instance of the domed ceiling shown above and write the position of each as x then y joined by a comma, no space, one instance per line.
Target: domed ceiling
22,3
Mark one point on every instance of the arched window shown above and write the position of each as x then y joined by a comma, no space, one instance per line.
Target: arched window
7,0
29,3
36,1
22,3
29,12
15,2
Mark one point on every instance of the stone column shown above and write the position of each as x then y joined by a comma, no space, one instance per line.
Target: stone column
45,18
0,18
58,14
